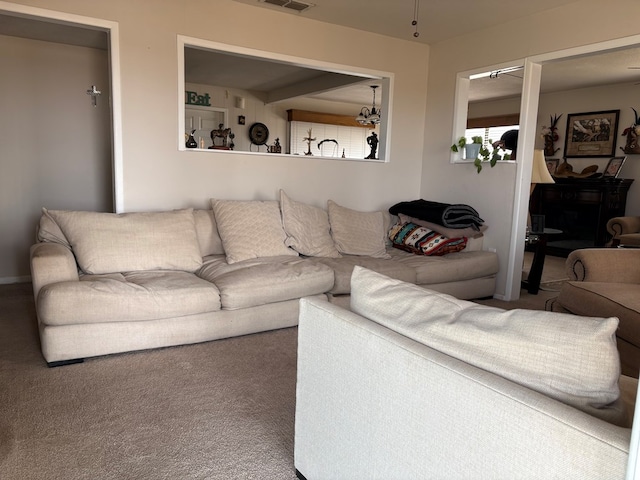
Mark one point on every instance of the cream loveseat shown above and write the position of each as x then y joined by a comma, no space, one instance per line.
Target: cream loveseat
107,283
413,384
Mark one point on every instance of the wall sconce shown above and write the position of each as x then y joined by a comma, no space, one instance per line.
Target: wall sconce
240,103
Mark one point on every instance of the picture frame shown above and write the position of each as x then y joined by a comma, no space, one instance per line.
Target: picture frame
552,165
591,134
612,170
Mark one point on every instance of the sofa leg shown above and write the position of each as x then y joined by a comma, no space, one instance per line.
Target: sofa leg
299,475
62,363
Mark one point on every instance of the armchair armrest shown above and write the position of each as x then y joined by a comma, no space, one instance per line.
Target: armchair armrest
622,225
51,263
614,265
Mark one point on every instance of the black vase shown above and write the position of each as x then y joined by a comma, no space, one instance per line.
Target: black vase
191,142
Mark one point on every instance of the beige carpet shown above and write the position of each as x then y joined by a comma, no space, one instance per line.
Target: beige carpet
218,410
553,276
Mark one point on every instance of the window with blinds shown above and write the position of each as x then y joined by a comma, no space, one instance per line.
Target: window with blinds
328,140
491,129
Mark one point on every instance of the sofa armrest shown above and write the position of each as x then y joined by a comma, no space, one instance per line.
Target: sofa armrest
371,403
614,265
51,263
622,225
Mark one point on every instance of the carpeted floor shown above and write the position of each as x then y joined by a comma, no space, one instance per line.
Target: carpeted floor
217,410
553,276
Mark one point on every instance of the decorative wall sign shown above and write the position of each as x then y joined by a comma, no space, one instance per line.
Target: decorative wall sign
192,98
591,134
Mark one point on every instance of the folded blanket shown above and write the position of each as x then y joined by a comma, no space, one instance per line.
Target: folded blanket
449,215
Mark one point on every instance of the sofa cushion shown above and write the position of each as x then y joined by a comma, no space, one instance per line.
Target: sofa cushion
454,267
569,358
343,269
265,280
207,231
307,228
419,240
358,233
605,298
127,242
250,229
48,231
135,296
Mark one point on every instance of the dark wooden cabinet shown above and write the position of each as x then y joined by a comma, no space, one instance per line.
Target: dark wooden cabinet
579,207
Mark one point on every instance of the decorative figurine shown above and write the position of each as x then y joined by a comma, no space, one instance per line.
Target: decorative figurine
372,140
275,148
308,139
219,138
550,135
191,141
632,133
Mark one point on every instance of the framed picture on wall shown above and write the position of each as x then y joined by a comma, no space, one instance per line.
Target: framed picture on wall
552,165
591,134
613,167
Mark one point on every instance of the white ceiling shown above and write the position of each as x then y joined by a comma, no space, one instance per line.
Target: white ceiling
437,21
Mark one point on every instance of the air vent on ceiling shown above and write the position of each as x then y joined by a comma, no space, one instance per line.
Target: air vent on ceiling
290,4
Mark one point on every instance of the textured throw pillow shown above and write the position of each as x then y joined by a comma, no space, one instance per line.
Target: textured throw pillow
210,241
422,241
572,359
307,228
250,229
357,233
129,242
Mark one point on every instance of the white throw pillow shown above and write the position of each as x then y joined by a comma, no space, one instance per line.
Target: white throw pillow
207,230
307,228
358,233
572,359
250,229
128,242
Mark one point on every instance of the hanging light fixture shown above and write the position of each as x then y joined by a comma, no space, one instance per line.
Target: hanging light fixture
367,116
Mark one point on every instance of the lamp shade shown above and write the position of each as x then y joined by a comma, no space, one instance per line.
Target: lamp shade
540,172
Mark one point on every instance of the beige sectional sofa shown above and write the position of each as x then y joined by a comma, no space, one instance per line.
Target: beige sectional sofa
108,283
413,384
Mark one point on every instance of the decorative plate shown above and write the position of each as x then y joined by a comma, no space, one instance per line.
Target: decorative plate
258,133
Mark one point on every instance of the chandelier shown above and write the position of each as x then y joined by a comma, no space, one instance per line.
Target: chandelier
367,116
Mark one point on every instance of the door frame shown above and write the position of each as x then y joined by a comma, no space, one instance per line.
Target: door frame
111,28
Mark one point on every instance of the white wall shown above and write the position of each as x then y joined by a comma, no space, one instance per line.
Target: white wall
55,147
492,191
158,176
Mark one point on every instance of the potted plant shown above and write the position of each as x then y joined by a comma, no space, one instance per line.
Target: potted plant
471,150
482,154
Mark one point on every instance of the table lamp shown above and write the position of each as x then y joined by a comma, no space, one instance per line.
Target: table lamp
539,174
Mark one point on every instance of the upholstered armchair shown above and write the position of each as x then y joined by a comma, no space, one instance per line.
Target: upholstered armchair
624,230
605,282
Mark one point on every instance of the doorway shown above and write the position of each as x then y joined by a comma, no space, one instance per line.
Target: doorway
57,149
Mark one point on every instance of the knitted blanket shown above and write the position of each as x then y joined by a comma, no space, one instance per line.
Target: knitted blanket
448,215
